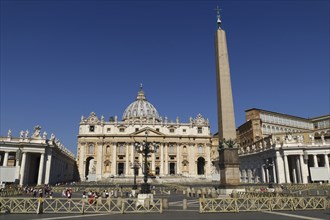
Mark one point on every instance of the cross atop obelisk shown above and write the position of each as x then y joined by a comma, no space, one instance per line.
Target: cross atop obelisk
218,16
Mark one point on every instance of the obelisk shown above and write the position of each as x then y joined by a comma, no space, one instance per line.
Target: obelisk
228,153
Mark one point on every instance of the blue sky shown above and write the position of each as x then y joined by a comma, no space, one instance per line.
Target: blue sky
64,59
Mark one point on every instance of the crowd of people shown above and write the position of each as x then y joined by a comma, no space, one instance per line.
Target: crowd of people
40,192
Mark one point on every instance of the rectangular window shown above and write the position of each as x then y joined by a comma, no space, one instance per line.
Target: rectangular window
200,149
136,129
157,129
199,130
108,129
184,130
171,130
121,129
91,128
171,149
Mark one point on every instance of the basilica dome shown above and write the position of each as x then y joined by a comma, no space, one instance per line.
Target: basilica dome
141,108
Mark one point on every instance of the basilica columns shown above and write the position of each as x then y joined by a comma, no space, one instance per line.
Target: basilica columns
166,159
114,159
161,172
5,159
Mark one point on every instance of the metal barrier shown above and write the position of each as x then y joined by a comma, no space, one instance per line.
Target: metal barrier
262,204
19,205
63,205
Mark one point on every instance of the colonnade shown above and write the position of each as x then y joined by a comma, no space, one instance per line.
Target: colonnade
50,169
283,168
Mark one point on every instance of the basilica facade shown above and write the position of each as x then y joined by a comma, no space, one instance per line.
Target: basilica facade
106,148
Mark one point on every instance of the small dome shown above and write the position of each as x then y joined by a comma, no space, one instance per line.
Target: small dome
140,108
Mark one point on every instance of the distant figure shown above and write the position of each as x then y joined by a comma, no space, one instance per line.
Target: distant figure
21,134
9,133
52,137
27,134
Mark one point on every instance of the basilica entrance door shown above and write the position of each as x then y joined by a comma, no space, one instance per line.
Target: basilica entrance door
172,168
120,168
200,166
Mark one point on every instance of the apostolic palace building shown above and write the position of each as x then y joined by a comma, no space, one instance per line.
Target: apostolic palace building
106,148
281,148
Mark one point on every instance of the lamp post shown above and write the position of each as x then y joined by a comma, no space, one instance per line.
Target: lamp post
135,166
145,148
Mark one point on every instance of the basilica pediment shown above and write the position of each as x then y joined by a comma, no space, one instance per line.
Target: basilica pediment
149,131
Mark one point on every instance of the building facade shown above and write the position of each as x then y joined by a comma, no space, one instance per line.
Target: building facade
282,148
106,148
35,159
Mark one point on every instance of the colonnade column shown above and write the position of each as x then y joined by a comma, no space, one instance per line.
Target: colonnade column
326,160
48,167
21,181
5,159
299,179
41,168
255,176
274,170
17,167
315,160
304,169
263,178
286,169
243,176
249,176
279,166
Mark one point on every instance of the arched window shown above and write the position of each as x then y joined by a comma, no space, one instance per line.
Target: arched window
184,149
107,150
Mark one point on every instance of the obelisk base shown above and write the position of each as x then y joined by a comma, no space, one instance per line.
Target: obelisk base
229,171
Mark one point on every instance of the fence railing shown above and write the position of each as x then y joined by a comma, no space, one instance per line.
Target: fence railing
262,204
63,205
